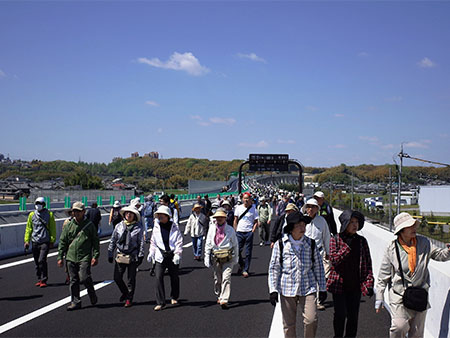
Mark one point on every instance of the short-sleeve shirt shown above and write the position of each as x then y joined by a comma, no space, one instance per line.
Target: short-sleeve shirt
247,221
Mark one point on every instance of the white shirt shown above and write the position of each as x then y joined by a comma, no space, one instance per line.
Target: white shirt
318,230
247,221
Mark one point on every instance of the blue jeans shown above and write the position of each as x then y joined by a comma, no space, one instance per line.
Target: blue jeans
245,238
197,244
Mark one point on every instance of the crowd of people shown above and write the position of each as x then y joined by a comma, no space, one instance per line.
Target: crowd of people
311,256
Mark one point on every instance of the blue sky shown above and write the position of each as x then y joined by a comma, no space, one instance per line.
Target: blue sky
325,82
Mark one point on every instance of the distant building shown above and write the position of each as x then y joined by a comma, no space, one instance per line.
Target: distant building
434,199
152,154
135,155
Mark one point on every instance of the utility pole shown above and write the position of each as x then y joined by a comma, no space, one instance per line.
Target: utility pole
390,199
352,192
399,192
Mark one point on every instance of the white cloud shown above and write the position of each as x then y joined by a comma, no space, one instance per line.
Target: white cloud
338,146
220,120
152,103
286,141
444,135
363,54
426,63
312,108
260,144
418,144
2,73
251,56
339,115
388,146
213,120
369,138
186,62
394,99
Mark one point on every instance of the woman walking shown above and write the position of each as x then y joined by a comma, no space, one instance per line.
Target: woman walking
296,273
351,273
127,238
221,251
195,225
166,247
405,265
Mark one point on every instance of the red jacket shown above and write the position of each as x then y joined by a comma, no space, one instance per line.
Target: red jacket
339,250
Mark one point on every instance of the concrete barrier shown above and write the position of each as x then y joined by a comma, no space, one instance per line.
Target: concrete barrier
437,322
11,235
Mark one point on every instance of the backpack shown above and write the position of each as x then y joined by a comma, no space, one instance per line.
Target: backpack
149,209
313,248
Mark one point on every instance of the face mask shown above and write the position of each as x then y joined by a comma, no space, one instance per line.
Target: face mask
38,207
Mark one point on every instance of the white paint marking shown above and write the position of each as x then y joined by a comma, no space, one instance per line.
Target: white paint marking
276,329
29,260
42,311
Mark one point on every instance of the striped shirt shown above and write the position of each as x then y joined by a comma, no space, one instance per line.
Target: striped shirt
297,277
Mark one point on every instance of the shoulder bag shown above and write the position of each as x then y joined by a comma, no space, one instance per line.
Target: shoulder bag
415,298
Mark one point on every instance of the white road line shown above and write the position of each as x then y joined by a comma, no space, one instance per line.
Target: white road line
42,311
29,260
276,329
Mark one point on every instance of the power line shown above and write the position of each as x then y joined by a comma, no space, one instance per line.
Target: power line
422,160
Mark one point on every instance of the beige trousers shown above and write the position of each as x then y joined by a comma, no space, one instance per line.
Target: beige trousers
289,310
414,327
222,280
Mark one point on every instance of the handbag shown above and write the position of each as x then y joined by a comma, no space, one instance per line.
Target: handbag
122,258
414,298
223,255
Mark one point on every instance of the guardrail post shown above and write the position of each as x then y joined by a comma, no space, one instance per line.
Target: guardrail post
111,200
67,202
47,202
84,200
123,200
99,201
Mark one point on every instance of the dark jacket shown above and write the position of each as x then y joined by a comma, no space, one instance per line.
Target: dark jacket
276,231
326,211
94,216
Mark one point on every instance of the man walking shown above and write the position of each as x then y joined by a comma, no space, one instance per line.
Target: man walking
245,223
41,230
79,243
94,215
326,211
265,216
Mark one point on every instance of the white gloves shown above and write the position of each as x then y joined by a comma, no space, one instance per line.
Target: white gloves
378,304
176,259
207,263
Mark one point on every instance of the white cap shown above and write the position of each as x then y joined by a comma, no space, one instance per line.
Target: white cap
39,200
319,194
165,210
312,201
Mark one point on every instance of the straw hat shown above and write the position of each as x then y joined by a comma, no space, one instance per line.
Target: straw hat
196,206
219,213
403,220
133,210
291,206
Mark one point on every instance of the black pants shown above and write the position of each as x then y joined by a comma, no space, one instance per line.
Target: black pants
264,231
346,307
119,271
159,281
80,273
40,252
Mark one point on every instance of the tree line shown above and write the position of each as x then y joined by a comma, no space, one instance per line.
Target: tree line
174,173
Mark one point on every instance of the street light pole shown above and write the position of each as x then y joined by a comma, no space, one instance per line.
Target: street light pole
390,199
399,191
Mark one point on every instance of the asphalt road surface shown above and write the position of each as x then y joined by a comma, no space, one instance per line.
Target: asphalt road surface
30,311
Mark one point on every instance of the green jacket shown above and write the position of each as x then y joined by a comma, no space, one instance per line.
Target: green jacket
85,246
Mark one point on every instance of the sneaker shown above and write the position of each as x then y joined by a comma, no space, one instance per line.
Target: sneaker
320,307
174,302
224,305
245,274
93,298
127,303
43,284
261,243
74,306
38,283
158,307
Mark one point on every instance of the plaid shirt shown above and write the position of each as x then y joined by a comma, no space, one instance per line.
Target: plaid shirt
297,277
338,252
